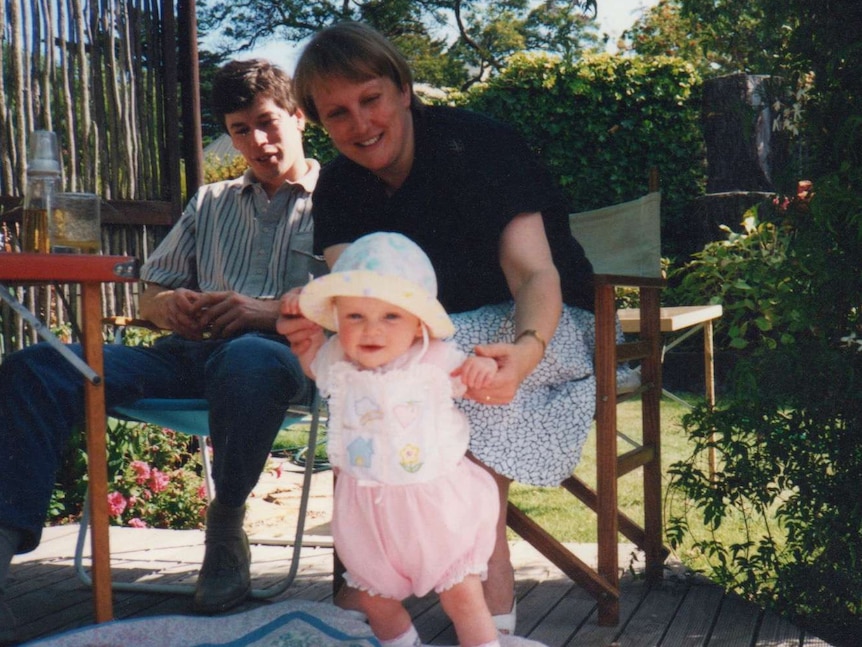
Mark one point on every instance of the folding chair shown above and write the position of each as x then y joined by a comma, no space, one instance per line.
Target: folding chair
623,244
191,417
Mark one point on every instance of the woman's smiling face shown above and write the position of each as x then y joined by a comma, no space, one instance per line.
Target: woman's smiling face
370,123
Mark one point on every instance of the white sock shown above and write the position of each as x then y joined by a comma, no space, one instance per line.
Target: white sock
409,638
9,542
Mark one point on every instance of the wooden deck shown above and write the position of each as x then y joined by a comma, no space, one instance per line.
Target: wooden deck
47,597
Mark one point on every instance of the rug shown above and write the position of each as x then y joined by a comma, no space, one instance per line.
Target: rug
284,624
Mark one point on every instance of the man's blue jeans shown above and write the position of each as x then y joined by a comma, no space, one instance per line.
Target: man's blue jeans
248,381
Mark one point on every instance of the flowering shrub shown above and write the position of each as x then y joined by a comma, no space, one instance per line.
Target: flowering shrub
154,479
142,495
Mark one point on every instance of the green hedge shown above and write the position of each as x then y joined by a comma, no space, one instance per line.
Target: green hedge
601,123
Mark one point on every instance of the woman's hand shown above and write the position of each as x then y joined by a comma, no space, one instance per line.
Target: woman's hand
525,257
291,323
305,336
514,363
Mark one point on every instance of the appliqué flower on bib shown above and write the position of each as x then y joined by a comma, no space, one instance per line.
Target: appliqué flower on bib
410,458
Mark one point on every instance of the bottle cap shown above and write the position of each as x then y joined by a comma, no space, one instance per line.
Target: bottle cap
44,154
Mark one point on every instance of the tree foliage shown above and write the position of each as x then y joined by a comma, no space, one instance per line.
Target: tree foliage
448,42
717,36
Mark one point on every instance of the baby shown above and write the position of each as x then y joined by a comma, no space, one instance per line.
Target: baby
411,512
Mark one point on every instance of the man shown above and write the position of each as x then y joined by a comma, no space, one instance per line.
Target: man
215,282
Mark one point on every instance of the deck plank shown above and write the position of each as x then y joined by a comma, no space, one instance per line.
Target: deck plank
693,622
653,615
46,595
775,630
737,623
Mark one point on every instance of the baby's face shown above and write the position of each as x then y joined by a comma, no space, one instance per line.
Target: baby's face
373,332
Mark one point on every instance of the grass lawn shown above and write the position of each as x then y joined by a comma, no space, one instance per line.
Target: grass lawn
571,521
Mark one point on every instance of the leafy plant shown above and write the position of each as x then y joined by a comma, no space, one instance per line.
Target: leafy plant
788,485
164,491
227,167
746,274
787,432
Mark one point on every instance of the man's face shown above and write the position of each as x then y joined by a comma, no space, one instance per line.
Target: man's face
270,140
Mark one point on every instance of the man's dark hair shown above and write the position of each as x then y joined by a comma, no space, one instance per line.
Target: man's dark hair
238,83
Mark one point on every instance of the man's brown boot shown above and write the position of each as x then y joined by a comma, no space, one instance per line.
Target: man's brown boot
224,579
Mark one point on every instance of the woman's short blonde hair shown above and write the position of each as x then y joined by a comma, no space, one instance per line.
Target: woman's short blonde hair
354,51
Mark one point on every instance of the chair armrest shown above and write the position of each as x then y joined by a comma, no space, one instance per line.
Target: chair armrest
123,322
624,280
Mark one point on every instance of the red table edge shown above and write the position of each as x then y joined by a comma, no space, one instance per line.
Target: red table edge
67,268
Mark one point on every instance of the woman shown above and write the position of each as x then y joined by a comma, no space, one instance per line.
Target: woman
470,192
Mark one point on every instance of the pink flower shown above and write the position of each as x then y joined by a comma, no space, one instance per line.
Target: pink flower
202,491
141,470
137,522
116,504
158,480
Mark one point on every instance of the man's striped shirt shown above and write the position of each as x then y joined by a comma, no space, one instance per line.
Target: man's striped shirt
233,237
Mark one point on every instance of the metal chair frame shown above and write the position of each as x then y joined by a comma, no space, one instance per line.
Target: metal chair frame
189,416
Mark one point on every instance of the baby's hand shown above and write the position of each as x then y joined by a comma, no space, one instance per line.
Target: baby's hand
477,372
289,306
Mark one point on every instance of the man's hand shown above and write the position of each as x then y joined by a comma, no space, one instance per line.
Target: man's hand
225,314
172,310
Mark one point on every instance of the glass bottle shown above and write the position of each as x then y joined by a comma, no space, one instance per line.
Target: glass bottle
43,183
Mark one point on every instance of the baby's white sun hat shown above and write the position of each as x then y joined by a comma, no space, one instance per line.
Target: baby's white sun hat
385,266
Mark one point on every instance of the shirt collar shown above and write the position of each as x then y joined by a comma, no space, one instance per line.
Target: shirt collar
307,181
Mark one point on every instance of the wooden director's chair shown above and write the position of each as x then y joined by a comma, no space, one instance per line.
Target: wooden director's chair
623,244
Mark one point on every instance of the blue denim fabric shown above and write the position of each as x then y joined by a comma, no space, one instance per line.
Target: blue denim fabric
248,380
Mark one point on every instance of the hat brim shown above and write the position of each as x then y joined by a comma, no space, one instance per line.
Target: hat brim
316,298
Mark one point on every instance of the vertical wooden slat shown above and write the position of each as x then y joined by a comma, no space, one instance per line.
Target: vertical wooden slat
97,457
606,448
191,105
172,168
19,115
5,153
650,331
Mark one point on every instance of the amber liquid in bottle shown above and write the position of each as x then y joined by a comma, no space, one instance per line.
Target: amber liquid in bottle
34,231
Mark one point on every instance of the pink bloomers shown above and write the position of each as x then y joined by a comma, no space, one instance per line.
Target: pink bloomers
375,531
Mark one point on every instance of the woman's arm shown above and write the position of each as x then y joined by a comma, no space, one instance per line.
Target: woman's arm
526,260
